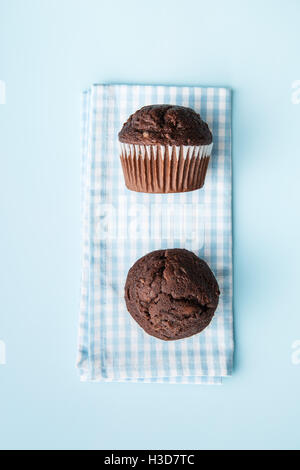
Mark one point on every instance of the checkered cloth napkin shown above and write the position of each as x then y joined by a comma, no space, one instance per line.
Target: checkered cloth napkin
120,226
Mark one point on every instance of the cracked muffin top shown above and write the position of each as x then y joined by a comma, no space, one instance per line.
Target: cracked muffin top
172,294
166,125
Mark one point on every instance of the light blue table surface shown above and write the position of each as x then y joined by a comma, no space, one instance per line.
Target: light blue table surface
49,51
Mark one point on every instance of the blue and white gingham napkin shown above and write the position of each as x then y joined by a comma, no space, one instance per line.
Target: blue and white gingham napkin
120,226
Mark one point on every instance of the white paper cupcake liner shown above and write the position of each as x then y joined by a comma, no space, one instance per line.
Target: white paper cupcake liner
164,168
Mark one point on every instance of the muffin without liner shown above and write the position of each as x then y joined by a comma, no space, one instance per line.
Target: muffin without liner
172,294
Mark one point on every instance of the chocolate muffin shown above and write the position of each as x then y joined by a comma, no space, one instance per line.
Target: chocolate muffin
172,294
166,125
165,149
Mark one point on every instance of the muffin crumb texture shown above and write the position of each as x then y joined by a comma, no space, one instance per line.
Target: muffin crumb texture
165,124
172,294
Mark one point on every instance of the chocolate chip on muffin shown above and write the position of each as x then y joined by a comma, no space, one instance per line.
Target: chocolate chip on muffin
172,294
165,124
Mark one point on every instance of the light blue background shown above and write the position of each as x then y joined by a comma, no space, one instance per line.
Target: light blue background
51,50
